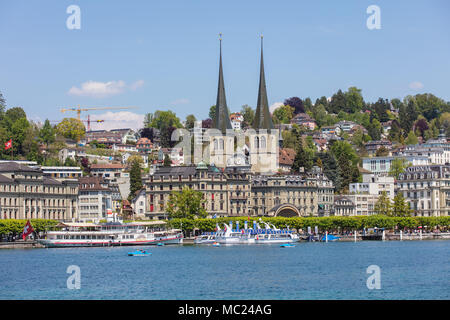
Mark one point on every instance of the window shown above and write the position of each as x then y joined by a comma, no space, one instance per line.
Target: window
263,142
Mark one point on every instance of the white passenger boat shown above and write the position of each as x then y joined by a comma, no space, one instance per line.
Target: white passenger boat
111,234
257,235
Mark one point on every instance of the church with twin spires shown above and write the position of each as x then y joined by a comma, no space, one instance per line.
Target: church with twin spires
226,147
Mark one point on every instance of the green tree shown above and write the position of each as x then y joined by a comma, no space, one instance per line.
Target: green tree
304,158
186,204
283,114
71,128
398,165
165,119
400,207
148,120
354,101
382,152
338,102
330,168
321,116
190,121
429,105
167,161
412,138
359,138
380,108
249,115
47,133
212,112
383,205
444,121
396,132
69,162
135,177
348,171
374,129
408,114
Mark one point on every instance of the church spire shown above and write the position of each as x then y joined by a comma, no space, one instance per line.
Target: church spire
222,116
263,119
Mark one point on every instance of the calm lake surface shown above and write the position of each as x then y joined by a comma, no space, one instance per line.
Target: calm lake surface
335,270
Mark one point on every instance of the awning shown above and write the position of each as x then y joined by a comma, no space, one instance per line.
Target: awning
77,225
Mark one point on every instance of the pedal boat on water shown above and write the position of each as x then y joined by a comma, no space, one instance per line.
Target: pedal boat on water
139,253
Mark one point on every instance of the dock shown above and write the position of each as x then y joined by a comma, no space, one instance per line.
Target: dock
20,245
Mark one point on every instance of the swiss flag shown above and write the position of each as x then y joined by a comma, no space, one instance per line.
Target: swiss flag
8,144
28,229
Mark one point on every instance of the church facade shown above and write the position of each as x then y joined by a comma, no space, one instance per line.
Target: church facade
226,145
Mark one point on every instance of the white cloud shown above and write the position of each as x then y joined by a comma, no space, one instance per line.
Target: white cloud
416,85
275,106
136,85
97,89
117,120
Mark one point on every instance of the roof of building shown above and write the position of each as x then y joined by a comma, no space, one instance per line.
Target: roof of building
5,179
221,119
184,171
106,166
92,183
286,156
362,170
144,141
48,180
16,167
263,119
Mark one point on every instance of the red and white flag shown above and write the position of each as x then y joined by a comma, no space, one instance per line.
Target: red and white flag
8,144
28,229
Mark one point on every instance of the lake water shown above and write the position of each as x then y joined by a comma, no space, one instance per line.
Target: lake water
334,270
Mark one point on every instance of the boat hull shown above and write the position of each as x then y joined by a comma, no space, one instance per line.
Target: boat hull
74,243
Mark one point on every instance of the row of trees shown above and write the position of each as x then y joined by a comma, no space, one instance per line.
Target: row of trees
333,224
398,208
15,226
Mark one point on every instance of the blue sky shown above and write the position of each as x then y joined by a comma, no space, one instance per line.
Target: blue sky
164,54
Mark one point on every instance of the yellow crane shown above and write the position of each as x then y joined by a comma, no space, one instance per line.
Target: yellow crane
79,109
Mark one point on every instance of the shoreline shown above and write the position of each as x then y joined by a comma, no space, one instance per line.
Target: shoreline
190,241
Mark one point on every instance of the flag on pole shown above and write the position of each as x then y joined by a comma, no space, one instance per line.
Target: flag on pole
28,229
8,144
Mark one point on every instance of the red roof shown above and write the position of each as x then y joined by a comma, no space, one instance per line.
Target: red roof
107,166
286,156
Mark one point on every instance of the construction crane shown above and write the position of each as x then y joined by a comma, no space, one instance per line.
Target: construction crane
79,109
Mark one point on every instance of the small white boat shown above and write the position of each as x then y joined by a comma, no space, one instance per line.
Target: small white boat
205,238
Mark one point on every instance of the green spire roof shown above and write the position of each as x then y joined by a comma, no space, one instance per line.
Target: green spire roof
221,119
263,120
